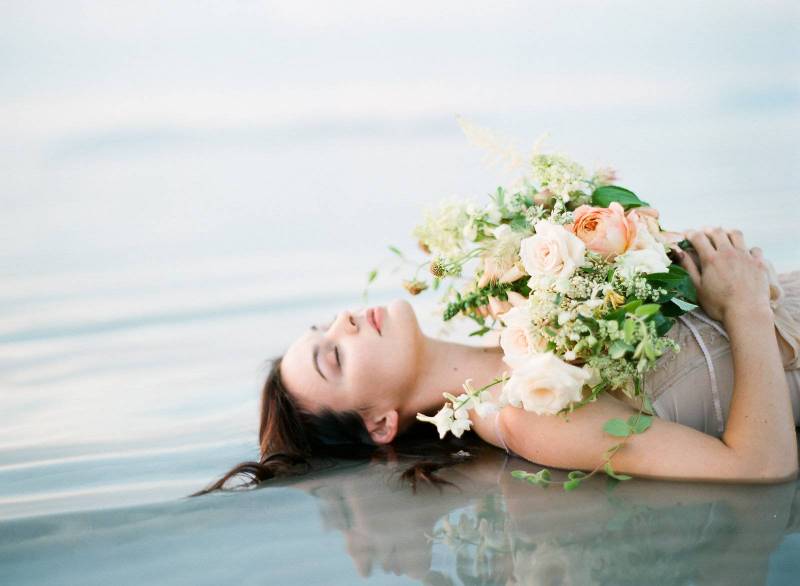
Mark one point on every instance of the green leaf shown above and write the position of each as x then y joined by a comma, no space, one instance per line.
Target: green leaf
684,305
500,198
617,428
520,474
544,474
627,331
647,310
605,195
590,322
640,423
576,475
396,250
619,313
372,275
572,484
676,280
663,324
610,471
481,331
518,223
618,349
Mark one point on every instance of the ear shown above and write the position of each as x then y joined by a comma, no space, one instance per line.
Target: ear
382,428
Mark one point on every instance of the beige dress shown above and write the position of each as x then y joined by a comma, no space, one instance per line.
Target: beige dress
694,386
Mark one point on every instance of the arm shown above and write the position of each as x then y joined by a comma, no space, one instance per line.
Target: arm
759,443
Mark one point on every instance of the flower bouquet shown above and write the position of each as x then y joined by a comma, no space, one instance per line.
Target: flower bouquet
573,271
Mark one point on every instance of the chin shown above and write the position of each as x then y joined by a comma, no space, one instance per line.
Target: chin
401,312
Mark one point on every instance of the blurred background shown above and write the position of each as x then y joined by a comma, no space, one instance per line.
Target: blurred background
187,185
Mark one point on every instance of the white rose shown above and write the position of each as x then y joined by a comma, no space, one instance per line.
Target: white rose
642,261
647,254
515,338
544,384
551,255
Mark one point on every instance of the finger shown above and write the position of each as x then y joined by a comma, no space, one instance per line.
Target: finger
691,268
702,245
719,238
737,239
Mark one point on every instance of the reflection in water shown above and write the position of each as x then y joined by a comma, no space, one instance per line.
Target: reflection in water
498,530
359,519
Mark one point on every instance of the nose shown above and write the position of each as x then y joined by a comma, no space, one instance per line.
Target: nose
344,323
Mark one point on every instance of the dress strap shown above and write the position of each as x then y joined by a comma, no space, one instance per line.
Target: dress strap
712,323
498,433
712,374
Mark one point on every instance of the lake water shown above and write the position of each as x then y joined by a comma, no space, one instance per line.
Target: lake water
176,209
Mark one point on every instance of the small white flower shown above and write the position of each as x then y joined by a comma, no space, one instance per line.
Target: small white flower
570,355
559,174
443,420
461,423
564,317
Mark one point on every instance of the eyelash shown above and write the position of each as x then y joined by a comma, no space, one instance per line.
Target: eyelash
335,348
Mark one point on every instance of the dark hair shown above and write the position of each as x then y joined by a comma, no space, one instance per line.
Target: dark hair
291,440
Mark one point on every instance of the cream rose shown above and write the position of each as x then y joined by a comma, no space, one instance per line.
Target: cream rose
606,231
642,261
515,338
543,383
649,217
551,255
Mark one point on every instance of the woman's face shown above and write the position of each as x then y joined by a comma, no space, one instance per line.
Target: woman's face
361,361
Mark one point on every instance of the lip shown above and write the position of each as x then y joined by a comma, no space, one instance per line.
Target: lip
375,318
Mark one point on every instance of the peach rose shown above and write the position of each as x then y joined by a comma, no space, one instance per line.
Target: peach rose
606,231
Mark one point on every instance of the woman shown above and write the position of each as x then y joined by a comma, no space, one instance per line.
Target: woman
363,379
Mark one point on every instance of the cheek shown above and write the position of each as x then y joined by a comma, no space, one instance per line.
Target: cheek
382,372
387,367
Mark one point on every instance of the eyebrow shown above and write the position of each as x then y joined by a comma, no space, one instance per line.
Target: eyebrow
315,360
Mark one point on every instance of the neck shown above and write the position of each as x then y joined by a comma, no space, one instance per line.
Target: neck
444,367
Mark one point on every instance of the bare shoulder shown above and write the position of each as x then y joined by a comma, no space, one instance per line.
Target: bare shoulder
667,450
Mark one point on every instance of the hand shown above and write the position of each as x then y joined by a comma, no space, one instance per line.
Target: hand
730,276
